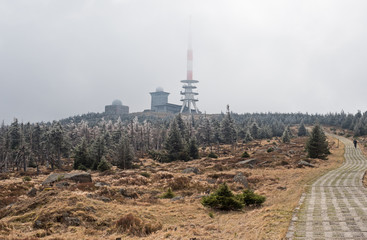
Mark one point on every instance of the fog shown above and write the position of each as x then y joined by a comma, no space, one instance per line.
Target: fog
69,57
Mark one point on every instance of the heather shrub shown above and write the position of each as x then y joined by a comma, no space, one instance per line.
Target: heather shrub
168,194
245,155
27,179
145,174
212,155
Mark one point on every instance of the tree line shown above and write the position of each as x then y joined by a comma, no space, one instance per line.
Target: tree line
95,140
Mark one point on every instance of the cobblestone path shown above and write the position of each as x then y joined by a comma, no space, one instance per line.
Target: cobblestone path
336,205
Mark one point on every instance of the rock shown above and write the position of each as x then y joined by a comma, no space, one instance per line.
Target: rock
101,184
90,209
100,198
104,199
38,224
264,163
128,193
240,178
32,192
304,163
191,170
248,162
211,180
62,184
177,198
79,177
72,221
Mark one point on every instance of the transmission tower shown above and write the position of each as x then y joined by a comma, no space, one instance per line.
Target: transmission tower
188,100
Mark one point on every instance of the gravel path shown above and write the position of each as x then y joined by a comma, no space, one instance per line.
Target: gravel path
336,205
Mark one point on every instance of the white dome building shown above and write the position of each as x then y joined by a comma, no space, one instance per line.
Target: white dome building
116,108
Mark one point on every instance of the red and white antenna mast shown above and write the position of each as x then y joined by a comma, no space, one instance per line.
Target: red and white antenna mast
189,55
188,93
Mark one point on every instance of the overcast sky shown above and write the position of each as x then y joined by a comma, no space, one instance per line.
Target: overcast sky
60,58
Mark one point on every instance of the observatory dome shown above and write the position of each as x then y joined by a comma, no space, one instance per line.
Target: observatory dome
117,102
159,89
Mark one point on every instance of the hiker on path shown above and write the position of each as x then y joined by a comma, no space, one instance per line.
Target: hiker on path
355,143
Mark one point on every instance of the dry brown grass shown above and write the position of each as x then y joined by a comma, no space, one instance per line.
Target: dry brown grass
151,218
179,183
133,225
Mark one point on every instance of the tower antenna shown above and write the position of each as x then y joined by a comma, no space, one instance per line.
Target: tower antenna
188,93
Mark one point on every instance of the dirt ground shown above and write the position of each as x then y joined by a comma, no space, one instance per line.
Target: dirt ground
130,207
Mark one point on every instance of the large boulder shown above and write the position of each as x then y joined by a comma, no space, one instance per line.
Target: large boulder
128,193
32,192
76,176
304,163
191,170
240,178
251,161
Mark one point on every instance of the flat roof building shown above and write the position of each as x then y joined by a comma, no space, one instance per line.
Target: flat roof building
159,102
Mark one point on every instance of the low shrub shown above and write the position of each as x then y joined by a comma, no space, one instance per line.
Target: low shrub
103,165
212,155
60,177
82,167
245,155
32,163
168,194
27,179
283,163
248,197
270,150
222,199
145,174
158,156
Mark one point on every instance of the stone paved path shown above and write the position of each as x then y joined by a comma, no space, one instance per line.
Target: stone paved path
336,205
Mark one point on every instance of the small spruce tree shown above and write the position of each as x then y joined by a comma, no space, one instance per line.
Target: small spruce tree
103,165
193,149
227,129
248,137
317,145
286,138
174,144
302,130
82,158
222,199
254,130
124,154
